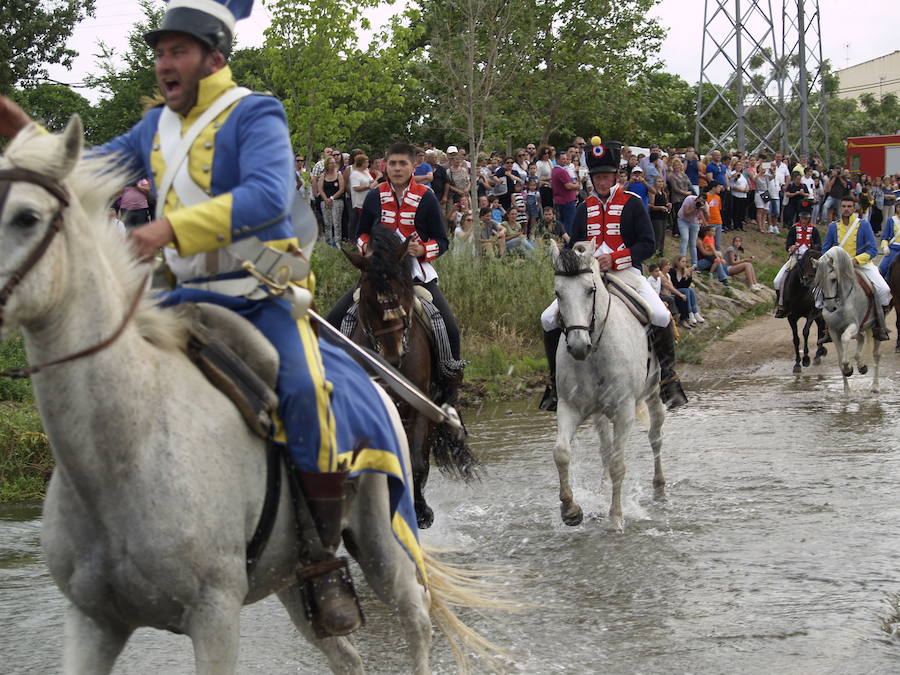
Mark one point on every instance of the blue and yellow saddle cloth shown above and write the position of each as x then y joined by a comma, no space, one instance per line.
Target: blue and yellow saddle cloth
367,442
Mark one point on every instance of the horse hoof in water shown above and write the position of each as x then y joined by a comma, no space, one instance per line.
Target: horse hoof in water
805,361
572,516
846,369
659,494
616,524
424,516
897,348
863,369
797,368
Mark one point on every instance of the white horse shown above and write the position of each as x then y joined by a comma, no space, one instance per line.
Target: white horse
158,483
604,369
847,311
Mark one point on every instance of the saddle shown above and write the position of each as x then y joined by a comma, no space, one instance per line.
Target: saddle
626,290
236,359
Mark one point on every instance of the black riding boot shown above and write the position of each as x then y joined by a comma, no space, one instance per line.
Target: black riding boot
824,338
551,342
879,332
326,581
779,306
670,390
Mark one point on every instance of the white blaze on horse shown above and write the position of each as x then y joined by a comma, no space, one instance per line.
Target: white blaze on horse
159,483
604,370
849,312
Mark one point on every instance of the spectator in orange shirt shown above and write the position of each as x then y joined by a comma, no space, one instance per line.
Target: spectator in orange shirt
714,204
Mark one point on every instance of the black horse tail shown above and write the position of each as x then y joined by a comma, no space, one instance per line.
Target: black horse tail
452,455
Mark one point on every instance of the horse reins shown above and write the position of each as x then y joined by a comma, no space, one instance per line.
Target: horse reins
590,328
16,174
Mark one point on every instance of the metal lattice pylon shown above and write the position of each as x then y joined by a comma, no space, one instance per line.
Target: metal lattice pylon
801,44
738,34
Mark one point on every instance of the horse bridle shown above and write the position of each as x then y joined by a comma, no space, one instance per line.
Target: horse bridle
20,175
401,324
590,329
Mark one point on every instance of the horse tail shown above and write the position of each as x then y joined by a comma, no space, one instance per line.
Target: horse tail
453,586
452,454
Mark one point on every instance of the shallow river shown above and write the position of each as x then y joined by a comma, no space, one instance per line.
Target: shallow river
773,554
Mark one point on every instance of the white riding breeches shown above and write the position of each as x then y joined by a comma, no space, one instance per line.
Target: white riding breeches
882,290
782,273
659,313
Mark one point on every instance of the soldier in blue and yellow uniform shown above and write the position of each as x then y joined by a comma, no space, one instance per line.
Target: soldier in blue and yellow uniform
221,163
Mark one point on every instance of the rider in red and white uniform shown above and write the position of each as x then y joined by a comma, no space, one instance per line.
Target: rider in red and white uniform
800,237
618,224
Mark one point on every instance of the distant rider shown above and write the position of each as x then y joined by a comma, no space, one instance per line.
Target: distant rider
800,237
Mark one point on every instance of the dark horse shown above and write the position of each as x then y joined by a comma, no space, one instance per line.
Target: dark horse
799,304
389,324
894,284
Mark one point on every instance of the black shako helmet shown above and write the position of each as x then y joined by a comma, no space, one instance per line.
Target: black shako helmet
210,21
603,157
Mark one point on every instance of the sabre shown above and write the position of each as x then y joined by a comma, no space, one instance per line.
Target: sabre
375,365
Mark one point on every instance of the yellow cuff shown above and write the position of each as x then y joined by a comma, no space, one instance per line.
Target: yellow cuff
203,227
863,258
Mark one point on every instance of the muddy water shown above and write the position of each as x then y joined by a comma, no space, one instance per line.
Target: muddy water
774,553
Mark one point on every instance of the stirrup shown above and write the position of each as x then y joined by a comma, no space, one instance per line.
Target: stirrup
671,393
779,312
824,338
329,598
549,400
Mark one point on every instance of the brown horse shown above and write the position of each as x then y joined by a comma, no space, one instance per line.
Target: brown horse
389,324
799,303
894,284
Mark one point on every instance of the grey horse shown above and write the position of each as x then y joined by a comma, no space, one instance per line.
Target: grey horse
158,483
604,370
846,310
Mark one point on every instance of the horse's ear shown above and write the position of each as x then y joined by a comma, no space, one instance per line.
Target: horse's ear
356,259
554,251
72,143
815,262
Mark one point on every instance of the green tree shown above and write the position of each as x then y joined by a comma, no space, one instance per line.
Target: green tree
34,34
53,104
126,89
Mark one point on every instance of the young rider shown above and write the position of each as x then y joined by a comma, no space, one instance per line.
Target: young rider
619,225
801,235
412,210
855,235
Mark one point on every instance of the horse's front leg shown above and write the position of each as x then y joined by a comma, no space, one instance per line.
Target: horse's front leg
214,627
615,461
567,421
90,647
796,340
860,353
419,457
842,344
820,349
806,327
876,358
657,416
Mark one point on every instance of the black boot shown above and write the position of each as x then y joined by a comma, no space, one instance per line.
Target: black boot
551,342
670,390
824,338
879,332
779,308
326,581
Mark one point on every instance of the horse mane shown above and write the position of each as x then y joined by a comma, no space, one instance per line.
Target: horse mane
840,260
570,262
384,269
94,183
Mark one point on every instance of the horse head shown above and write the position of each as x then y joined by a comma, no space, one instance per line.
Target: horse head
386,294
834,277
807,266
576,293
34,200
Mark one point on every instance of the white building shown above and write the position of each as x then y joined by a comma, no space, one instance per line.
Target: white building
879,77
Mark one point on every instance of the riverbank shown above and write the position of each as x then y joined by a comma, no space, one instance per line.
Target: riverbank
497,303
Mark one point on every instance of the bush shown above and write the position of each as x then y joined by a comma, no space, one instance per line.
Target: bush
12,355
25,457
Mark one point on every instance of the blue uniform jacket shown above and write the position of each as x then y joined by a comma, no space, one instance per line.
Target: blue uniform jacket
865,239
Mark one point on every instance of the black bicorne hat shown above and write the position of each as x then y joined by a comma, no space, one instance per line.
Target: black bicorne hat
210,21
603,157
805,209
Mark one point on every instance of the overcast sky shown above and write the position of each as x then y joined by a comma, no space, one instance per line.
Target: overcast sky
851,33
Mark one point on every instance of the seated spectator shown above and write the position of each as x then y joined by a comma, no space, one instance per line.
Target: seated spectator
464,235
515,237
734,265
708,258
493,235
655,279
681,277
549,225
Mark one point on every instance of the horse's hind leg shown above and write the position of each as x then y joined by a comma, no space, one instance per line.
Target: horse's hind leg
567,421
876,358
806,328
657,416
820,349
419,456
90,647
340,652
388,569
